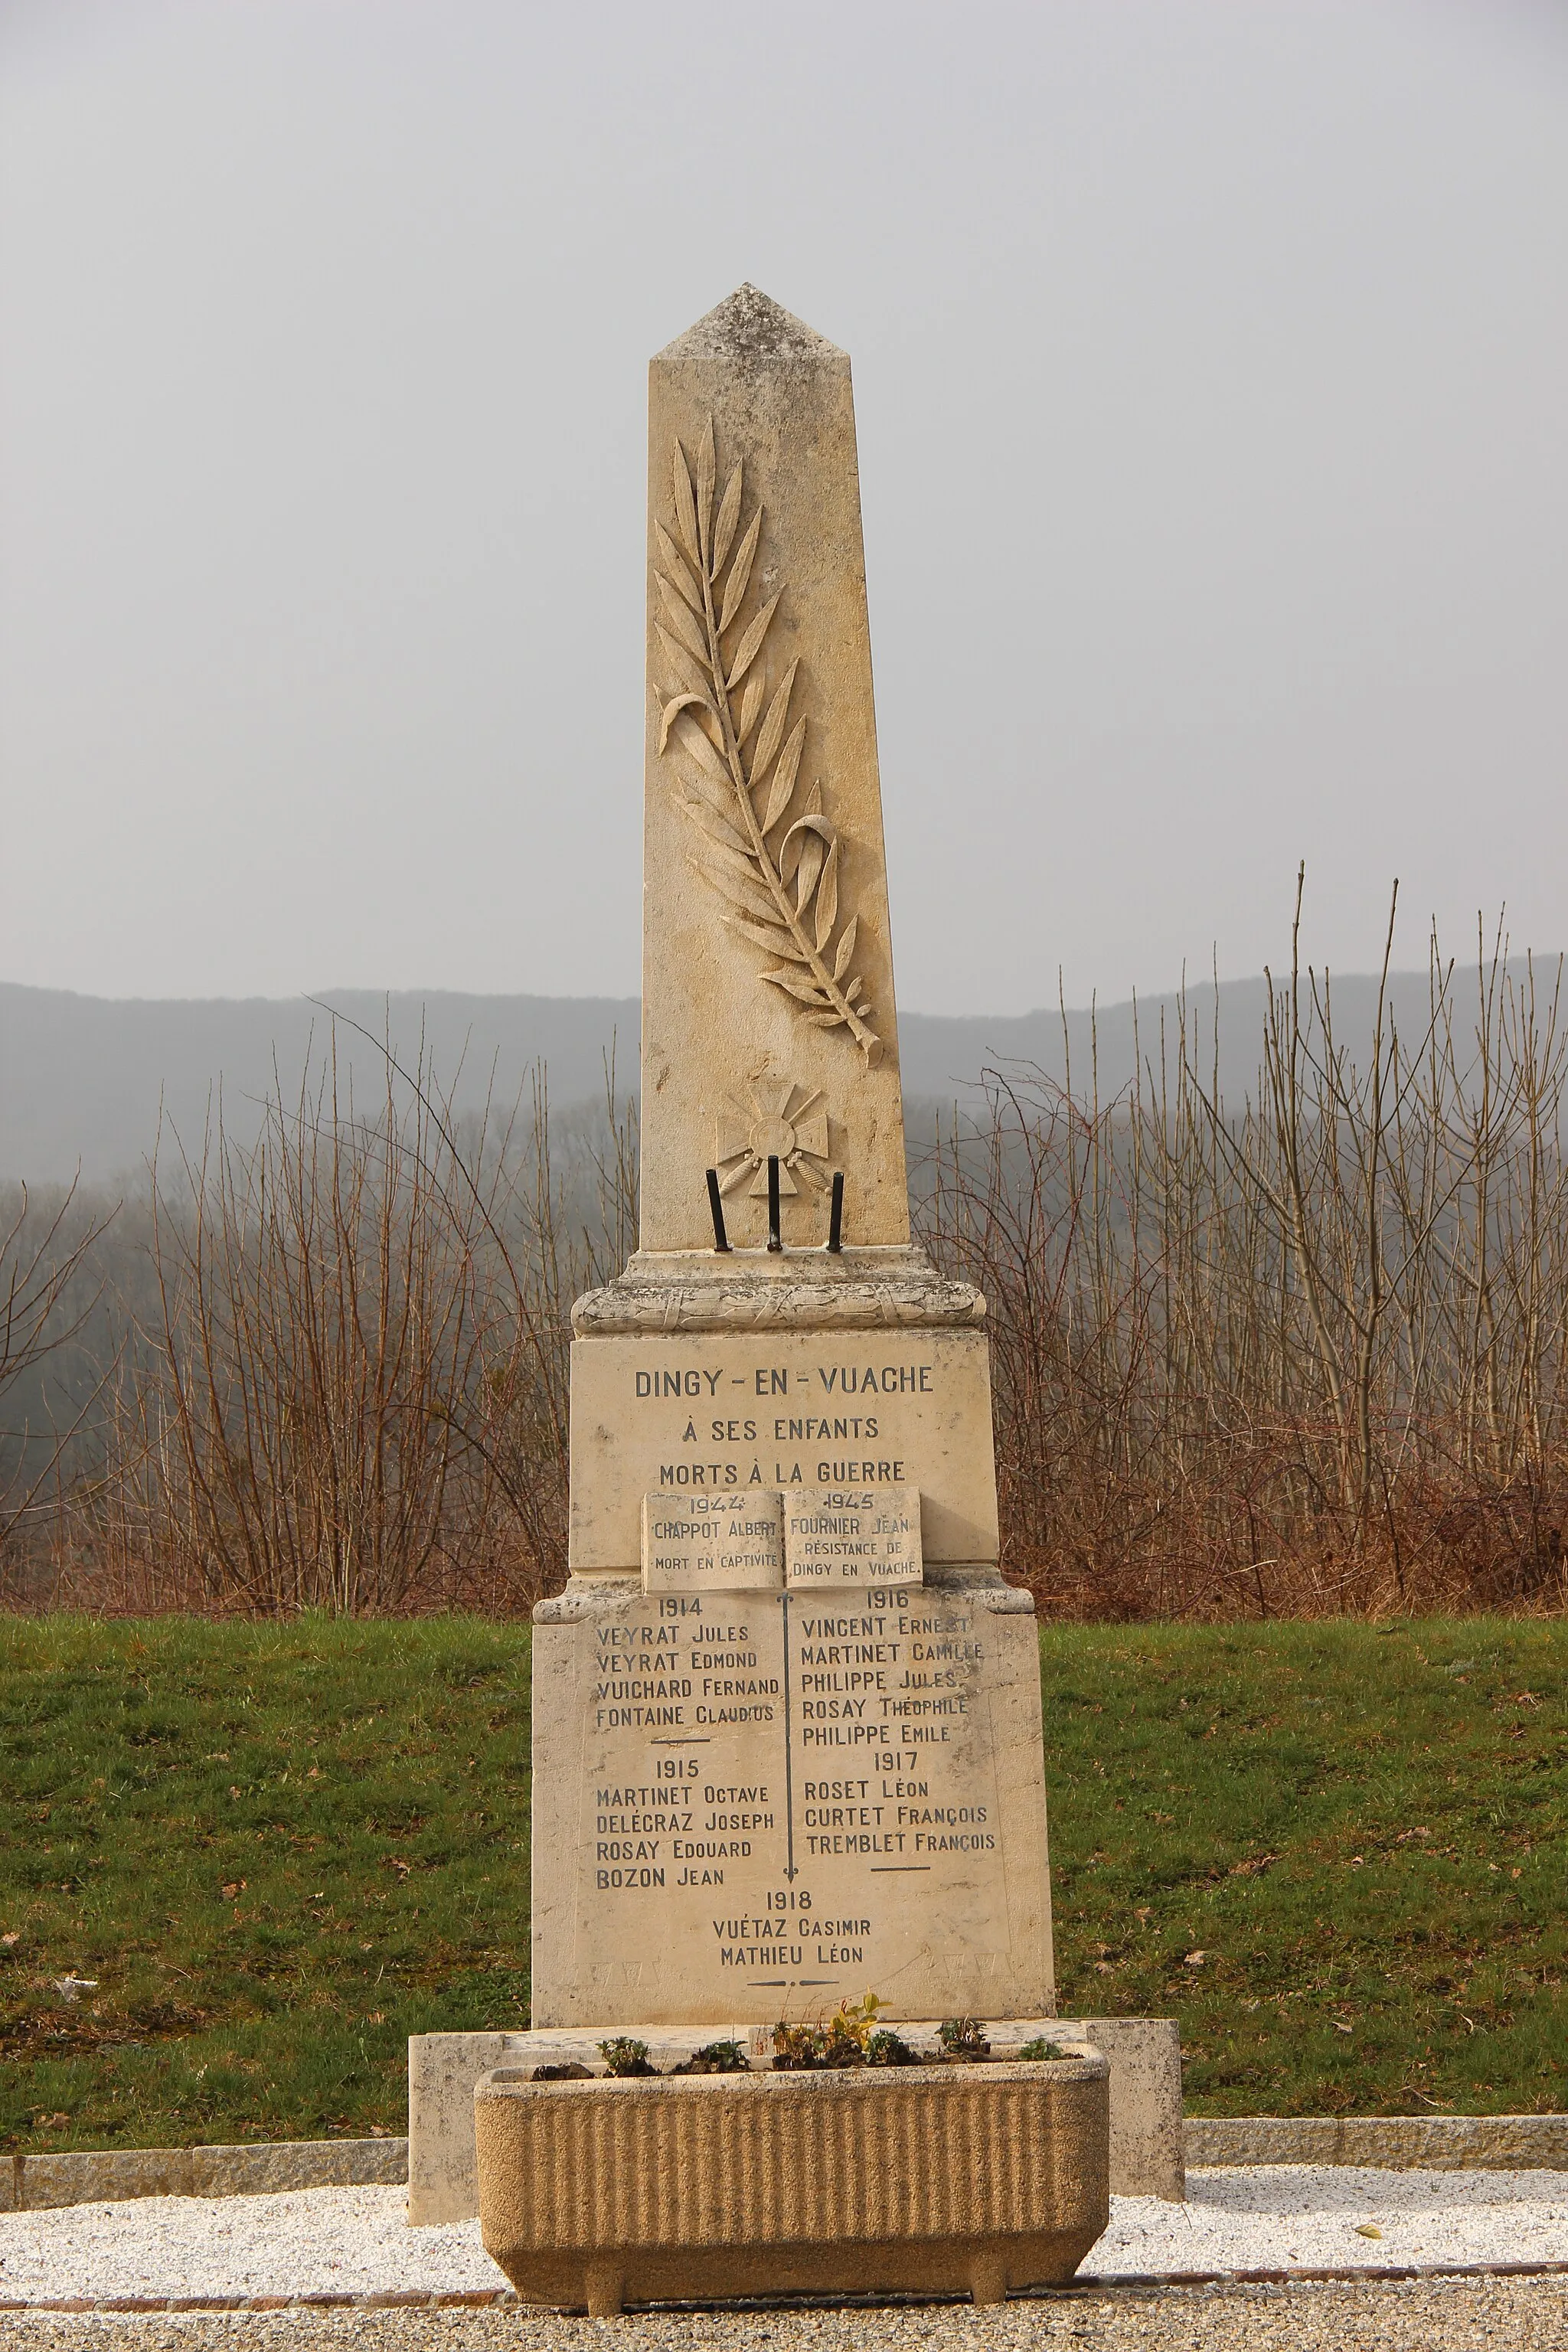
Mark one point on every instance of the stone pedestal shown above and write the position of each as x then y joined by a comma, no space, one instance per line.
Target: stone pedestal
756,1804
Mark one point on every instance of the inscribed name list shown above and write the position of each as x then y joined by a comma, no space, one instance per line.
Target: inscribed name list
851,1536
723,1542
752,1805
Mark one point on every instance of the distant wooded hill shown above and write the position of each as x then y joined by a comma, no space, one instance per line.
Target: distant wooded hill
82,1077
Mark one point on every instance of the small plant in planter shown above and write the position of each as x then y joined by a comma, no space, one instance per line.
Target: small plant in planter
963,2039
886,2047
622,2054
843,2041
568,2071
1040,2048
796,2048
716,2058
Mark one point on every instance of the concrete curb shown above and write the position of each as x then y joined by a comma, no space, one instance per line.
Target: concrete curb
32,2184
1389,2143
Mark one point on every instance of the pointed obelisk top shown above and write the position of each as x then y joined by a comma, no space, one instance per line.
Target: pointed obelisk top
748,329
768,1022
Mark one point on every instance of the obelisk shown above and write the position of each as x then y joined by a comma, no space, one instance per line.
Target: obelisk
786,1714
767,963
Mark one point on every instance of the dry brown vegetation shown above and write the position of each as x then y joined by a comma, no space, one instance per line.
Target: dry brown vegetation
1301,1356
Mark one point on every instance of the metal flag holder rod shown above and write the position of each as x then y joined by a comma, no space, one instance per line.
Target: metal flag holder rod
723,1244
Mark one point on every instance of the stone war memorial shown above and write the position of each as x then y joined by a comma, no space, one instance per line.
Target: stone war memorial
788,1739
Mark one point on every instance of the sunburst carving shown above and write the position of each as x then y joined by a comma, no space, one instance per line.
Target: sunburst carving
779,1120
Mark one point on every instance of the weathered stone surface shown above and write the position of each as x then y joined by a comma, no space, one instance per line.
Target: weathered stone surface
298,2164
1402,2142
109,2176
860,1291
86,2177
769,1410
933,2179
762,829
1146,2135
754,1805
443,2068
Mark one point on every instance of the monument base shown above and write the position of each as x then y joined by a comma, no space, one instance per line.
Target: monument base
1145,2092
933,2180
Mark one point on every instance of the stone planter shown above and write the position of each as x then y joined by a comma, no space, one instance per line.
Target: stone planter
935,2179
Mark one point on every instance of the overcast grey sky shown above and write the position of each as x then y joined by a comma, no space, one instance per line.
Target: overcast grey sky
1211,359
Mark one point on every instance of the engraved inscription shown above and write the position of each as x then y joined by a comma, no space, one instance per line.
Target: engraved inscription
836,1536
825,1759
713,1543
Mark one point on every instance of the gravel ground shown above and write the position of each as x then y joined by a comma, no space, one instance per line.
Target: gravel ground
1454,2316
356,2242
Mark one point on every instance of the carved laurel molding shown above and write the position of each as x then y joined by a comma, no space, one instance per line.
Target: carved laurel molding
774,858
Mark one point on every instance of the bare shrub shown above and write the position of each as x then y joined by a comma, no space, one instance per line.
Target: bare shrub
353,1393
45,1303
1300,1355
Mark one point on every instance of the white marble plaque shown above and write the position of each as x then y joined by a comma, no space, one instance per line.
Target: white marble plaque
723,1542
838,1535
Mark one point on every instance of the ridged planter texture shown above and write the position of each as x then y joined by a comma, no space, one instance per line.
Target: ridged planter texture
922,2178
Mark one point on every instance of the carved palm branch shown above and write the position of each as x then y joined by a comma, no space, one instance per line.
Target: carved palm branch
774,858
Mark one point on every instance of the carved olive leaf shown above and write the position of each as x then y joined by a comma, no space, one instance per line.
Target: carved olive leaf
828,899
685,511
828,1020
679,570
740,891
784,776
698,790
739,572
682,619
846,948
751,644
714,828
694,780
707,470
751,703
779,942
729,516
689,672
672,710
812,827
812,858
694,742
799,985
772,736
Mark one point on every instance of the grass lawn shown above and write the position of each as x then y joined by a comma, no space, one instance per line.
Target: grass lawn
281,1850
1339,1854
